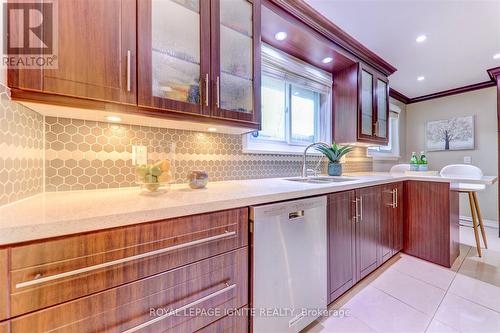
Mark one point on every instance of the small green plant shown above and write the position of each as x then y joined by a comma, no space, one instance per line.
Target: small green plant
334,152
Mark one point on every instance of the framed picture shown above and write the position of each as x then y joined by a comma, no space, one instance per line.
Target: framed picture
451,134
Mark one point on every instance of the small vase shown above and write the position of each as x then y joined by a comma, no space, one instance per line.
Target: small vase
334,169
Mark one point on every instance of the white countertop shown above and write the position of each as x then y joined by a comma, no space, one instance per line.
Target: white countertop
62,213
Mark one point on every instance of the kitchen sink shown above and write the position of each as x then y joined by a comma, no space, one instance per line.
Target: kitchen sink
321,180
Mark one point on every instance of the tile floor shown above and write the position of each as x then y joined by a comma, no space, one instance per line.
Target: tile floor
411,295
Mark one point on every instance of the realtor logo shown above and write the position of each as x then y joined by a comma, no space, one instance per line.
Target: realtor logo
30,39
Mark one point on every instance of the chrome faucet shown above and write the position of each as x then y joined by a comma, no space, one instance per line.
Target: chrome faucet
304,167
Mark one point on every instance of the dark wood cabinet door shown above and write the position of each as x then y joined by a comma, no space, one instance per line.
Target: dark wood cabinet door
381,128
174,55
398,219
4,284
96,52
391,221
341,246
431,222
367,230
235,59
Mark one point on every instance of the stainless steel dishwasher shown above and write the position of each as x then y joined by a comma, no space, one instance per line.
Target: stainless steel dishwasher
289,264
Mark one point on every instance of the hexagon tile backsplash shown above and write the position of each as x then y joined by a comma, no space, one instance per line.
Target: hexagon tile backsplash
83,154
21,150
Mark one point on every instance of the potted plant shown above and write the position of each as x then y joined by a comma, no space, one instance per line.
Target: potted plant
334,153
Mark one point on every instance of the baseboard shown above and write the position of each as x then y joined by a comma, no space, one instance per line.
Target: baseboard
467,221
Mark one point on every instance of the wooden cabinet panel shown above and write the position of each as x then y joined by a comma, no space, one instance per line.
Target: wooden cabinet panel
55,271
4,327
391,221
367,230
431,222
228,324
4,285
96,54
173,301
341,249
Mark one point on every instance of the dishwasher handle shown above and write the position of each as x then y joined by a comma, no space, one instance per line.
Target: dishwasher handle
296,215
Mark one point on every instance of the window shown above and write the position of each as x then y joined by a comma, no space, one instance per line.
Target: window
296,105
391,151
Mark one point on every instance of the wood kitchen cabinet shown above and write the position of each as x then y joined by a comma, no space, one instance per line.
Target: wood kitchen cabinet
431,222
391,221
200,57
368,206
341,243
96,62
361,106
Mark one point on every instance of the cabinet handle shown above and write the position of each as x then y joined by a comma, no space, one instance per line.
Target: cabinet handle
356,210
182,308
217,84
396,198
129,83
361,208
123,260
206,89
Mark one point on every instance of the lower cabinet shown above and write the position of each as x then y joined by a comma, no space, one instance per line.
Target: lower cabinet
365,228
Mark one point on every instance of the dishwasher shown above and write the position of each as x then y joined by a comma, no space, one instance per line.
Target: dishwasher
289,264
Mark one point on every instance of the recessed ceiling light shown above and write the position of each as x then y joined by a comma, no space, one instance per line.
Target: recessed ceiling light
327,60
421,38
212,129
496,56
114,119
280,35
420,78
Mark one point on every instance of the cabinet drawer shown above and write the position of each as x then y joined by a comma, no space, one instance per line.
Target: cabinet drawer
55,271
228,324
180,300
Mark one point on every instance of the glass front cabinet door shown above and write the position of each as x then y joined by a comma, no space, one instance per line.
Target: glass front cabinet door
200,57
373,108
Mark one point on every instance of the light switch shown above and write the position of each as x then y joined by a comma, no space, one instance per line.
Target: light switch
139,155
467,159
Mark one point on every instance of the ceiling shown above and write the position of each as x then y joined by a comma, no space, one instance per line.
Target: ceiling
462,37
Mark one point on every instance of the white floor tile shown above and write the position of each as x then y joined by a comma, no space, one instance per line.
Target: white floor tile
438,327
433,274
466,316
486,268
477,291
345,325
386,314
416,293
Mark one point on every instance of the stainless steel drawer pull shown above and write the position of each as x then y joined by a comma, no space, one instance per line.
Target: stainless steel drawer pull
296,215
129,80
123,260
182,308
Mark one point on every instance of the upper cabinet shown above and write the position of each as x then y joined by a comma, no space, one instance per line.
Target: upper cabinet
95,55
361,106
174,59
194,59
200,57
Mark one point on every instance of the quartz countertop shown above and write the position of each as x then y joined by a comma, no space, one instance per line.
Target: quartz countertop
63,213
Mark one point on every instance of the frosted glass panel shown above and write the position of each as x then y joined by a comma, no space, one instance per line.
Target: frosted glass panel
236,52
382,108
175,27
236,93
366,103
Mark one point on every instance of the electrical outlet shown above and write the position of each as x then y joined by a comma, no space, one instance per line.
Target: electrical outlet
139,155
467,159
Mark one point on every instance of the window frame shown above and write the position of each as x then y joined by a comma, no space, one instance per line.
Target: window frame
378,152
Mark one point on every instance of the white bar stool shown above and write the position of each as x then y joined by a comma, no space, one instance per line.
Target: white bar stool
399,168
470,172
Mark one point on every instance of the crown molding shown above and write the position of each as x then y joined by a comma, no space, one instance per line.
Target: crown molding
399,96
494,73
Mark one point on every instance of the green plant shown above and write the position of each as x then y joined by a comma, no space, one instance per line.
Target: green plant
334,152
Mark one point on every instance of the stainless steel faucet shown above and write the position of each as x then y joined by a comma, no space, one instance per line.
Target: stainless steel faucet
304,167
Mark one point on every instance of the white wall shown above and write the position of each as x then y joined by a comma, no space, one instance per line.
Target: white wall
483,105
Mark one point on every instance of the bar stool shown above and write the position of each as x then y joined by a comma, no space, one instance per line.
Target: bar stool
470,172
399,168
